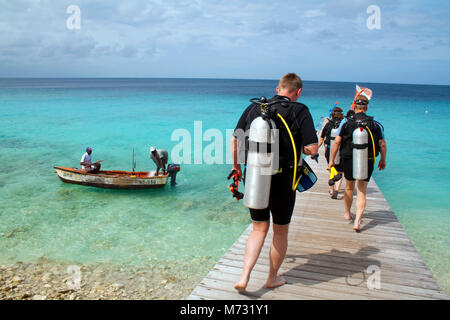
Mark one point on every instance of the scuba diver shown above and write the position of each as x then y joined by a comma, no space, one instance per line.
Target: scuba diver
324,120
360,140
270,190
327,137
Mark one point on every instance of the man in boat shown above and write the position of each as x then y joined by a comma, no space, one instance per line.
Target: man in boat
86,162
160,158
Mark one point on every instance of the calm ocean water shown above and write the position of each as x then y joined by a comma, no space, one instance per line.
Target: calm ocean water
46,122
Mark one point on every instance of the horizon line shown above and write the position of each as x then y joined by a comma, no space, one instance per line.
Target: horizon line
206,78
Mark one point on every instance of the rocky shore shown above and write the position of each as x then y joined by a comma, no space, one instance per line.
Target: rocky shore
48,280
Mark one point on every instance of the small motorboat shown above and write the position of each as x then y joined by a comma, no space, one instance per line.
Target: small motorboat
116,179
113,179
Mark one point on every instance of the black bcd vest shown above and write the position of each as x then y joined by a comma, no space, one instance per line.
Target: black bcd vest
334,124
286,110
354,122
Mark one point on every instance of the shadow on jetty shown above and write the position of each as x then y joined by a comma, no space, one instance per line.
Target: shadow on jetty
327,266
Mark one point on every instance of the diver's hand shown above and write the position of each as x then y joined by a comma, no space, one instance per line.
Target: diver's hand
381,164
237,167
330,165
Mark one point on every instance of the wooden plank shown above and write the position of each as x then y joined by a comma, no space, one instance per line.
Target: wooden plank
326,259
340,264
316,253
345,271
326,287
353,246
286,292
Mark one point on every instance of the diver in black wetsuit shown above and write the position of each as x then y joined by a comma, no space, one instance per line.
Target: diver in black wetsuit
282,196
377,145
325,138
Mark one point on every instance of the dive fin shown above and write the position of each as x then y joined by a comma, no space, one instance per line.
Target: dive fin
307,177
334,176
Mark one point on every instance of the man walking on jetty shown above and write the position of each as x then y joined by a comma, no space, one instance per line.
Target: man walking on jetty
282,197
376,145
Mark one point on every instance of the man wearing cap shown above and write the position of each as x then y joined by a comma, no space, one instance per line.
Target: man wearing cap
344,142
86,162
160,158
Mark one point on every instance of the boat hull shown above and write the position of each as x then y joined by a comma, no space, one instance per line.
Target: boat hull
111,179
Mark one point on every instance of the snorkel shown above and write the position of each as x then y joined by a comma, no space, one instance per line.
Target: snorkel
331,110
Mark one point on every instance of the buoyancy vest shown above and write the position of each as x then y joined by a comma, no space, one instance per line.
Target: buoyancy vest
367,122
286,110
333,124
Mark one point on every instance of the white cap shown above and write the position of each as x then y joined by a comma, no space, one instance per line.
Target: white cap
152,149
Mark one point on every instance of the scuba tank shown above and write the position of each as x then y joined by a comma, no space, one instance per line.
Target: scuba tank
261,164
263,156
360,146
337,159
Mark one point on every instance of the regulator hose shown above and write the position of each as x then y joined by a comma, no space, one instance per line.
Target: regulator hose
294,179
373,144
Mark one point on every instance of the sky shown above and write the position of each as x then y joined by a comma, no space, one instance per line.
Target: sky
253,39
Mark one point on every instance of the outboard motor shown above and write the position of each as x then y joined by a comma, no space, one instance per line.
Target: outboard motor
337,159
360,147
172,170
261,161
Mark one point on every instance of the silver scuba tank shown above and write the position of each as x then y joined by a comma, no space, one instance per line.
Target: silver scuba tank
262,163
337,159
360,147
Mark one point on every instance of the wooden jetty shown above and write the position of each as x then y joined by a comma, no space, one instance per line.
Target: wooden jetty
326,259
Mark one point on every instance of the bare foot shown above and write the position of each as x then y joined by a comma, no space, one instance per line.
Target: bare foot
357,227
348,217
275,282
241,285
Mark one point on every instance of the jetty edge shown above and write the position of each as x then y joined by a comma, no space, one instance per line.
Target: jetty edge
326,259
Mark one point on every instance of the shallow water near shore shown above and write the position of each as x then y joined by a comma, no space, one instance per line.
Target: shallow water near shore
46,122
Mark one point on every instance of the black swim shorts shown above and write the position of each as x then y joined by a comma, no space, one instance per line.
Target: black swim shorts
348,169
281,201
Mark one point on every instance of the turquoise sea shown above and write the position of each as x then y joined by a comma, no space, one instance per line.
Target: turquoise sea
47,122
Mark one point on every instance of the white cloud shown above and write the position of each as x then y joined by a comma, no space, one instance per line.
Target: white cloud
314,13
188,35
